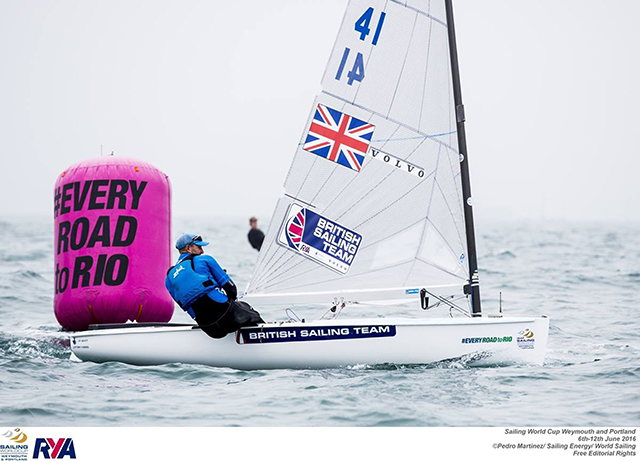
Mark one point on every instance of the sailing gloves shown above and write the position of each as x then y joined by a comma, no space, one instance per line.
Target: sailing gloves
231,290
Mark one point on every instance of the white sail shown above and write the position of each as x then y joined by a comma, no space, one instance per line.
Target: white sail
373,200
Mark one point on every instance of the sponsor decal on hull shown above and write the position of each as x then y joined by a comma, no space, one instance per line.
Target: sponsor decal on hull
79,343
525,339
297,334
488,339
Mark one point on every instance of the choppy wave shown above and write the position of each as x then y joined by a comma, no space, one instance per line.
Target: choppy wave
584,279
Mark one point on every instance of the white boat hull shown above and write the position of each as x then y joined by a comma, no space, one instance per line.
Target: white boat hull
322,344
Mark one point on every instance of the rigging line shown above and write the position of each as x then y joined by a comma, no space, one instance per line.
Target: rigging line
442,236
279,252
423,13
461,241
296,199
426,65
273,272
263,254
411,138
362,197
435,266
463,245
404,61
404,125
272,250
386,237
362,274
339,278
453,217
267,266
424,227
276,279
275,275
308,171
375,186
268,273
396,201
258,270
275,228
351,181
457,183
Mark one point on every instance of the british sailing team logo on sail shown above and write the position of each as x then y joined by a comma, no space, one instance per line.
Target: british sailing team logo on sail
319,239
338,137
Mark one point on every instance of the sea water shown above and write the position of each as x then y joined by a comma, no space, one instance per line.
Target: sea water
585,277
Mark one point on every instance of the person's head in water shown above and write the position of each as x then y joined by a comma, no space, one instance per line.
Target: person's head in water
253,222
191,243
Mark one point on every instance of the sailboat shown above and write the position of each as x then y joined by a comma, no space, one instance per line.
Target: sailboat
377,209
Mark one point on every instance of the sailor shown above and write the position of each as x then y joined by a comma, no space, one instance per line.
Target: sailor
255,235
205,291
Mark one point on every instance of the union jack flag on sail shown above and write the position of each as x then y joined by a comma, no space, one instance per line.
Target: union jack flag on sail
339,137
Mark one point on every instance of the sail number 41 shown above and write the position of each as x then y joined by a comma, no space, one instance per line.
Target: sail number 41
362,27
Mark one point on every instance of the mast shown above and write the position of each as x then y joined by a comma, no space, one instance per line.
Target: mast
464,165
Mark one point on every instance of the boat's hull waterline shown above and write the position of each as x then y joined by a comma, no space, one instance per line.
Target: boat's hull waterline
322,344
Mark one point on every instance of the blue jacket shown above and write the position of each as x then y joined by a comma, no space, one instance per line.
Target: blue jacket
185,286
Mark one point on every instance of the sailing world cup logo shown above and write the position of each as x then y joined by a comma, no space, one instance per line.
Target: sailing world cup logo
15,448
526,339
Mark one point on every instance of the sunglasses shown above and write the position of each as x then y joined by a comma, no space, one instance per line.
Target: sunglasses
197,238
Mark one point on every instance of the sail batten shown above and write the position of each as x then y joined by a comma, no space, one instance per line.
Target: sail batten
372,200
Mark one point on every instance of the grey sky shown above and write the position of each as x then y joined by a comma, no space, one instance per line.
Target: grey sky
216,95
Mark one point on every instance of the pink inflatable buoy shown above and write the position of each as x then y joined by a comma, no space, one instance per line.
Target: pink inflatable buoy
112,243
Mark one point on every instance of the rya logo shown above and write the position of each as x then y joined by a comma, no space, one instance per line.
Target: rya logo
54,449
